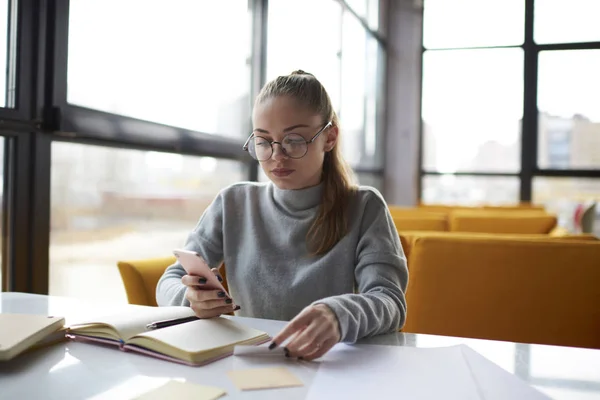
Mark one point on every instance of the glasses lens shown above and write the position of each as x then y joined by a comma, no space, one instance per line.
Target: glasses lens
294,145
260,149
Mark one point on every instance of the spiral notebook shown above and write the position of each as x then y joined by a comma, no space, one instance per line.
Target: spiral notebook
192,343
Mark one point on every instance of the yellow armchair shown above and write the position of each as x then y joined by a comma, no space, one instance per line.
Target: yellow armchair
524,291
140,278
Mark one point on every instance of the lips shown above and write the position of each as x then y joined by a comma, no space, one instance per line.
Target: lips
281,172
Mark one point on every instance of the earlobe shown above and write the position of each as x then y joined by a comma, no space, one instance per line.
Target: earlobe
331,138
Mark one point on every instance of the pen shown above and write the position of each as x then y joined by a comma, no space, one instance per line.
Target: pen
176,321
170,322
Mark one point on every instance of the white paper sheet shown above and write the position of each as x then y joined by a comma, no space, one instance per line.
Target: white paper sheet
494,383
366,372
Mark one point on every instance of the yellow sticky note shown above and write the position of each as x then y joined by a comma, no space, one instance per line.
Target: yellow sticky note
182,391
264,378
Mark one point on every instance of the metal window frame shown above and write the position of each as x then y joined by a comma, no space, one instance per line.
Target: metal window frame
529,132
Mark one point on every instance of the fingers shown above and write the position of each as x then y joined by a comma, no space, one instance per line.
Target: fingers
194,295
215,312
191,280
216,272
298,323
307,341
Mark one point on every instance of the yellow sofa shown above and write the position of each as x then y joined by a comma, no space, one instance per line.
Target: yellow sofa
407,238
536,291
502,222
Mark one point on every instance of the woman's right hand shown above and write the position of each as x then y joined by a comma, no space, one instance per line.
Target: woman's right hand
206,303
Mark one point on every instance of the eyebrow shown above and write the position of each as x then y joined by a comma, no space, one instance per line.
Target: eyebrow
291,128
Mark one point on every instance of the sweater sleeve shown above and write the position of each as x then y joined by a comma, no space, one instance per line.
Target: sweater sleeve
207,240
381,276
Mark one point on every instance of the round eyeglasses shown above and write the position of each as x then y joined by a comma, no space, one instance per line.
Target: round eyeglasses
293,145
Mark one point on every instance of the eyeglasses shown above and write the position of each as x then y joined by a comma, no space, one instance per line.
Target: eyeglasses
292,145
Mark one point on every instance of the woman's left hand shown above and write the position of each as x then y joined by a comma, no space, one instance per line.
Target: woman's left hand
314,332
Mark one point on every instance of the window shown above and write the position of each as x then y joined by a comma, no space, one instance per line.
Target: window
569,112
2,196
354,73
563,195
114,204
298,37
472,109
162,63
566,21
473,23
367,10
470,190
8,32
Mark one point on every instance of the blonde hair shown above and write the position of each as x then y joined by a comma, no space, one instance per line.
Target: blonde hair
331,222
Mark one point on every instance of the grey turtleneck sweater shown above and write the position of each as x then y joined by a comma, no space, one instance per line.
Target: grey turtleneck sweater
259,231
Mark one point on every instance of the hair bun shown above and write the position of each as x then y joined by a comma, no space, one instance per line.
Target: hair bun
301,72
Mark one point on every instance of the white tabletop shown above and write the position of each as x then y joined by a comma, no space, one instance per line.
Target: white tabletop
83,371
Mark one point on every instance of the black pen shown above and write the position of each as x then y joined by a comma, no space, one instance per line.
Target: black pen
170,322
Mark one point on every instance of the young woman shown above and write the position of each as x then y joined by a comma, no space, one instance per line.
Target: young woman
308,247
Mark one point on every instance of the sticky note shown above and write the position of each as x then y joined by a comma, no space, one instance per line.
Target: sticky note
264,378
182,391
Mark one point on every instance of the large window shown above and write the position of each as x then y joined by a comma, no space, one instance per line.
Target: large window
511,113
186,65
114,204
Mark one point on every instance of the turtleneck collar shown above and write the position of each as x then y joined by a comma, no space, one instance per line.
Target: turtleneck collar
298,199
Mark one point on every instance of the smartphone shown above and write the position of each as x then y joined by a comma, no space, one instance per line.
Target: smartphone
194,264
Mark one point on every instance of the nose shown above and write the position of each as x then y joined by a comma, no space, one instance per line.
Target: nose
278,153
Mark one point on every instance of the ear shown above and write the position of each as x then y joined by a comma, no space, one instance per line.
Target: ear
331,138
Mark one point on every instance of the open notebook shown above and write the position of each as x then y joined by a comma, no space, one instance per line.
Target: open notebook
192,343
24,332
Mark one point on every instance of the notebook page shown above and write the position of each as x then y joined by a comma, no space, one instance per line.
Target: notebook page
130,323
204,334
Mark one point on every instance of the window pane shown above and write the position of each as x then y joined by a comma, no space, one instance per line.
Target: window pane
306,37
569,109
472,110
566,21
2,196
473,23
366,9
8,37
354,68
186,66
470,190
115,204
563,195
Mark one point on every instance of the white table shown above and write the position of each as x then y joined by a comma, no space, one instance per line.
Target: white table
84,371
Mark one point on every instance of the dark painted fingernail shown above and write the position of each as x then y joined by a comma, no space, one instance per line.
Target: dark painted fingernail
228,301
300,358
272,345
219,278
221,294
237,308
202,281
287,351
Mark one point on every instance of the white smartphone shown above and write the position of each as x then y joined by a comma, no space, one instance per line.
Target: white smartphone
194,264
